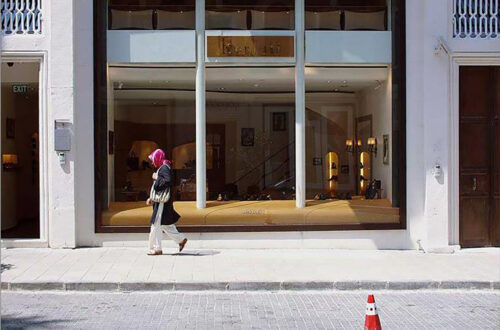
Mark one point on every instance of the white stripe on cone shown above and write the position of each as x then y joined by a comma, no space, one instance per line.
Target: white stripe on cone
371,309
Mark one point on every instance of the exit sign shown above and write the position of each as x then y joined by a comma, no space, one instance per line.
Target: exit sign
20,88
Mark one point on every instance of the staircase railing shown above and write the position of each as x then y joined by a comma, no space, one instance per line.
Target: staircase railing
262,164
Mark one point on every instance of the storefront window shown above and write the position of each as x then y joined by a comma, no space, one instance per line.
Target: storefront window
249,15
348,15
151,14
250,134
354,117
348,144
148,108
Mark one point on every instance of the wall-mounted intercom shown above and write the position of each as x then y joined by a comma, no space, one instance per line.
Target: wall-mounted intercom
62,138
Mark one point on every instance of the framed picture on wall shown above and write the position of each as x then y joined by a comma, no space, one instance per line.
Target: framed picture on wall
279,121
386,149
247,137
10,128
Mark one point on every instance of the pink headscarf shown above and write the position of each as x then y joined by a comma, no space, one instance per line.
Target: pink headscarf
157,157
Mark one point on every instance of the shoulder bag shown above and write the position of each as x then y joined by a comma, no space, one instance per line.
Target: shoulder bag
159,196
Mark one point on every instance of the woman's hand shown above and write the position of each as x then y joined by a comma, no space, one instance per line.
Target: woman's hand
149,202
155,176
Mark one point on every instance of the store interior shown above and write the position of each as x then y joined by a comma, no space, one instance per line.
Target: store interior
250,125
20,150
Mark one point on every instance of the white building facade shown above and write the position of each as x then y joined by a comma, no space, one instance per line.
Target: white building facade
297,125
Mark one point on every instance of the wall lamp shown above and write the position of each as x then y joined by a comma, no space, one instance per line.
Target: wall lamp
10,161
349,145
372,145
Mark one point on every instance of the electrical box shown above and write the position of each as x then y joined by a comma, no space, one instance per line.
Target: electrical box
62,137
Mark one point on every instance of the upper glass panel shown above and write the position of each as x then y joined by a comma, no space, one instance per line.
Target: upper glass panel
151,14
249,15
347,15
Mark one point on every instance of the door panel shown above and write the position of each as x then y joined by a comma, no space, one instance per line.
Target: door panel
479,156
475,89
472,135
475,184
476,232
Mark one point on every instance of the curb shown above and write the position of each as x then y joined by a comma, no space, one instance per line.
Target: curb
250,286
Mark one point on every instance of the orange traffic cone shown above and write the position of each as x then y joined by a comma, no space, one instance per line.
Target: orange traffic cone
372,322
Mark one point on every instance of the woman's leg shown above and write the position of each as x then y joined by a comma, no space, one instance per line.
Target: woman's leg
173,233
155,235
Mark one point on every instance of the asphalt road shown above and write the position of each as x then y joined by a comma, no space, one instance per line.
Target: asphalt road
249,310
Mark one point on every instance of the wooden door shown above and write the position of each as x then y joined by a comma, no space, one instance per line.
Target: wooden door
479,156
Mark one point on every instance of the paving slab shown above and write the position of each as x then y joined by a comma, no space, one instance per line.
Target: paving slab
130,269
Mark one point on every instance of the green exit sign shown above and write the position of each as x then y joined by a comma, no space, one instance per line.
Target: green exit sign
20,88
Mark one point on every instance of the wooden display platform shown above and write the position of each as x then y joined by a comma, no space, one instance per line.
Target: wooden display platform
328,212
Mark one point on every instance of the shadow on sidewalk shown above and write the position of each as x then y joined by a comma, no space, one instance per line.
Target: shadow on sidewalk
6,267
33,322
193,253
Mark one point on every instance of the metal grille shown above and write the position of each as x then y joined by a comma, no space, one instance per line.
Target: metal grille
21,17
476,19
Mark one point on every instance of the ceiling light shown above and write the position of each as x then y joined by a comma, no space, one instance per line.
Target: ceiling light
221,88
255,85
344,83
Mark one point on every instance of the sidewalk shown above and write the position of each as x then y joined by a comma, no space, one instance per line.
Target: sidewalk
130,269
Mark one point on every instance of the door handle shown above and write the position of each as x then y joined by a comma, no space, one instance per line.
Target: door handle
474,184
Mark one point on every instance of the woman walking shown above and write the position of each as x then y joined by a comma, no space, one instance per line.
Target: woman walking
164,215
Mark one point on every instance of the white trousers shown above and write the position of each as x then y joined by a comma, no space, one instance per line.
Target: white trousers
157,229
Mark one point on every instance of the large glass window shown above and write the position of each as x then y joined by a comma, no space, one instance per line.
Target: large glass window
250,134
355,119
250,15
348,144
147,108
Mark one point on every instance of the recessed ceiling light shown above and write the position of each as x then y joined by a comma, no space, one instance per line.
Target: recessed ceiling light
336,89
329,81
255,85
344,83
221,88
